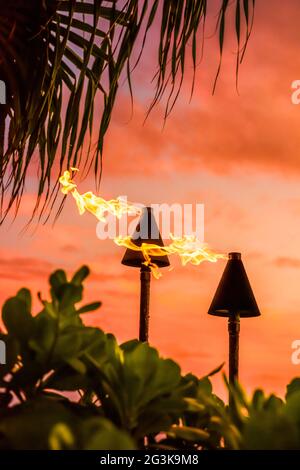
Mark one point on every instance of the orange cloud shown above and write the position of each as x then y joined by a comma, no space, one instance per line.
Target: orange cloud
285,262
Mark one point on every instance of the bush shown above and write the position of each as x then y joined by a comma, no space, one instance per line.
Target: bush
128,396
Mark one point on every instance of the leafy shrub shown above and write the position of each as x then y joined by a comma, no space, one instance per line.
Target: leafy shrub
69,386
126,391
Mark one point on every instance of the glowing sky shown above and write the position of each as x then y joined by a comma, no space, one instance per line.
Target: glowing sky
236,153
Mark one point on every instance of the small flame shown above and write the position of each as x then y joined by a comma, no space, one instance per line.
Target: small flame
96,205
147,249
188,247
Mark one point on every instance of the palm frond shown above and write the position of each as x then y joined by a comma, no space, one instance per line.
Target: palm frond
57,57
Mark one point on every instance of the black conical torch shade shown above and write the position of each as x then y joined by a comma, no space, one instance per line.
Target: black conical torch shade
234,294
234,299
146,232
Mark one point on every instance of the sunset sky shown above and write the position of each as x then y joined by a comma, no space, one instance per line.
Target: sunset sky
235,152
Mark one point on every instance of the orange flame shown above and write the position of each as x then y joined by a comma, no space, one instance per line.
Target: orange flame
96,205
188,247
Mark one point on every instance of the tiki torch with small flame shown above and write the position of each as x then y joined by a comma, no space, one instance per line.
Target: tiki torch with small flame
146,232
145,249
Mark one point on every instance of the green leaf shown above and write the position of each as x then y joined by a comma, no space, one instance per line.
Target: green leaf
68,345
80,25
258,400
89,308
216,370
80,275
77,365
292,408
66,380
44,336
17,319
57,280
101,434
29,425
69,294
188,433
194,405
204,386
140,390
25,295
293,387
61,437
267,430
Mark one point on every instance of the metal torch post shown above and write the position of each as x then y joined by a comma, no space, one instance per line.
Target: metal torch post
234,332
145,277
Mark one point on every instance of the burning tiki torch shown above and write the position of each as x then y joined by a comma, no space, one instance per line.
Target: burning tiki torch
146,232
234,299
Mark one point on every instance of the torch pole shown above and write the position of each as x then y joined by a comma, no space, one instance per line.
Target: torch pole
145,276
234,332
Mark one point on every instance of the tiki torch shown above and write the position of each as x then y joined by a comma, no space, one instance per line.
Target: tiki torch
146,232
234,299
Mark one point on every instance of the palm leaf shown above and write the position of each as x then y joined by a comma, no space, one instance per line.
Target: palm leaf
58,56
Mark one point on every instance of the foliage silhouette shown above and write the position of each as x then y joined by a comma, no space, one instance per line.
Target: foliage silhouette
69,386
62,60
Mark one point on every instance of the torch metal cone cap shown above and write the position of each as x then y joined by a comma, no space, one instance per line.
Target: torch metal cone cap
146,232
234,294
